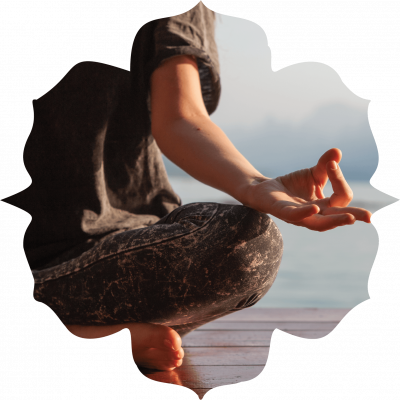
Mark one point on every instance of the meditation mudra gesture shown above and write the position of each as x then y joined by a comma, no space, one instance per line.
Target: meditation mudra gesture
110,245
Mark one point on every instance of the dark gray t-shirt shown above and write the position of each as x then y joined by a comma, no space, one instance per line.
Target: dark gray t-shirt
94,164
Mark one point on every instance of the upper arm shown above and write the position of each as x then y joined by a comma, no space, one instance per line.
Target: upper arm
175,92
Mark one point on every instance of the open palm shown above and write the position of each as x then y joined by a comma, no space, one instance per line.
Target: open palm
298,198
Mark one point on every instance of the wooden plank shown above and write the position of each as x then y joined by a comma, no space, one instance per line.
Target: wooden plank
287,314
262,326
308,334
235,348
205,377
239,338
225,356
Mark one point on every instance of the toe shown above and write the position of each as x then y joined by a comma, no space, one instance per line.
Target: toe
178,363
181,353
172,340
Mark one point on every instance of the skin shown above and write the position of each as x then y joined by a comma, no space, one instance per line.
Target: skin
296,198
149,348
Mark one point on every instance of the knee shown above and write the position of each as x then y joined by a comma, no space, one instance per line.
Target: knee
267,235
257,250
254,233
241,247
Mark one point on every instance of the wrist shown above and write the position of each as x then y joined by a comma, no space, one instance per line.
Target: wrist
247,193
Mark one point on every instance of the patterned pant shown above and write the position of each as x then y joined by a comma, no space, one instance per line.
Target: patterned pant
198,263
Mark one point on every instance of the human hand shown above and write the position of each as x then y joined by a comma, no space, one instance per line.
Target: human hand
298,198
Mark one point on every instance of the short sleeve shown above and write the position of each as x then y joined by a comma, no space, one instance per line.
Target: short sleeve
190,33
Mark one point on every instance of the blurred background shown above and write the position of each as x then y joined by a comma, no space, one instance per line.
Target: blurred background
284,121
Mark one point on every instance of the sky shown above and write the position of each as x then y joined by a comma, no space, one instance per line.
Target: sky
285,120
251,91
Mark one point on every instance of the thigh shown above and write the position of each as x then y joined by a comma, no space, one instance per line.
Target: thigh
200,262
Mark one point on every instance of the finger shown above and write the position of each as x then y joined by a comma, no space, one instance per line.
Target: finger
296,213
342,193
360,214
319,171
323,223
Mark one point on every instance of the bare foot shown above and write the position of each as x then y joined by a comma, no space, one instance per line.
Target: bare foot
153,346
156,346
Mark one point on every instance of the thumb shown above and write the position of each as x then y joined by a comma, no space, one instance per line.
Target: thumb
342,193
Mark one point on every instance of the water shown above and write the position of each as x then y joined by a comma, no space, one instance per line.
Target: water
328,269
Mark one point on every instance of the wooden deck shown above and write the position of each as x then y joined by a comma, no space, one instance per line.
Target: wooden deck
235,348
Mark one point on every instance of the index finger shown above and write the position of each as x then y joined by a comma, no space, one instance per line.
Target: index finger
342,193
319,171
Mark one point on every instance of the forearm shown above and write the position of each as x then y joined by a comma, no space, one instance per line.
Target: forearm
202,149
